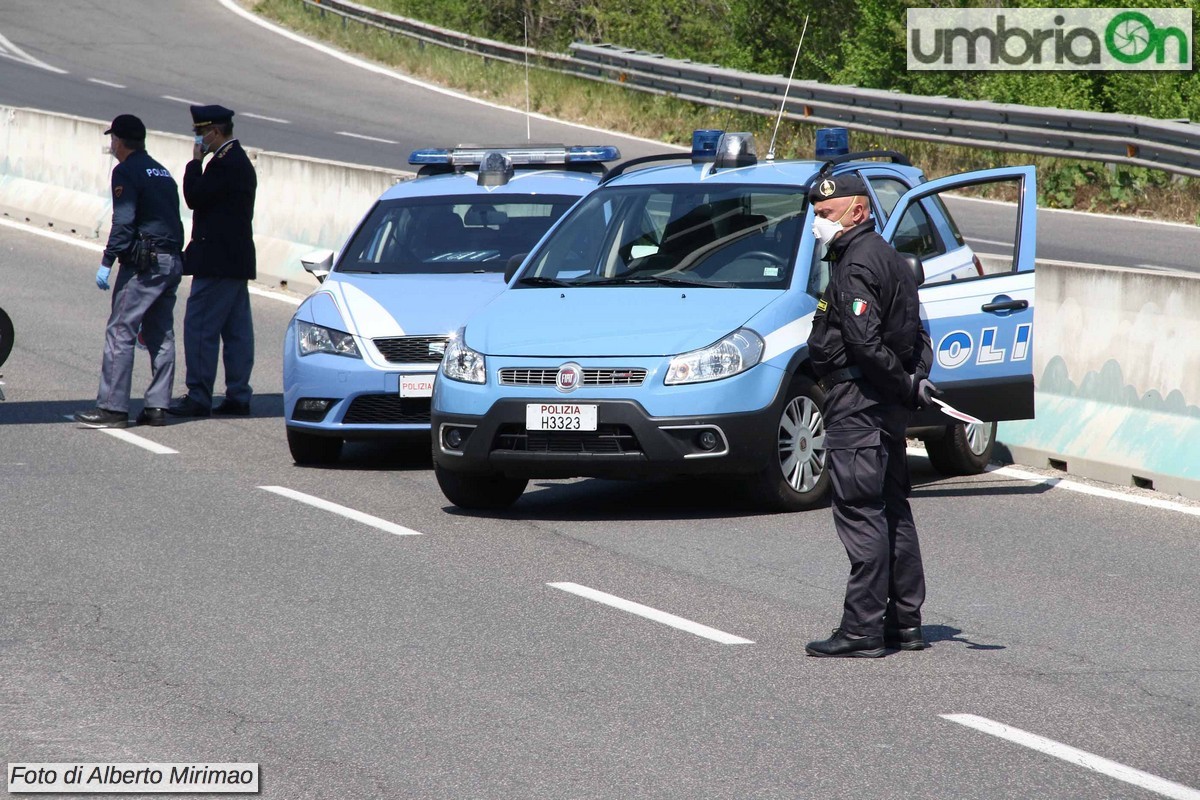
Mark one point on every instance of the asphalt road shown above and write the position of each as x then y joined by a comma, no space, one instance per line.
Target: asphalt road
167,607
152,57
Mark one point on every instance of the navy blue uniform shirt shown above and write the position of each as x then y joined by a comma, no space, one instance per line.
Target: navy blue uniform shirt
146,202
221,196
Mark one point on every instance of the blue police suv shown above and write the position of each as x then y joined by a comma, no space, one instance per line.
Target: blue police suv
361,352
660,329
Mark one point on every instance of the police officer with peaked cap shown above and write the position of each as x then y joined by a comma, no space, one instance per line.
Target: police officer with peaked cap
146,238
221,260
872,357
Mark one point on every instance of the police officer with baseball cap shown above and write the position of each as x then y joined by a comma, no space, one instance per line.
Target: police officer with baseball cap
221,260
145,240
872,357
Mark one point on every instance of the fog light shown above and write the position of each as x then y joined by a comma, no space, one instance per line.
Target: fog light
454,438
707,440
312,404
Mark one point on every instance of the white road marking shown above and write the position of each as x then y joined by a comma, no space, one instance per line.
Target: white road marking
132,438
1088,214
252,115
10,50
1080,758
233,6
349,513
368,138
181,100
108,83
650,613
988,241
1082,488
98,248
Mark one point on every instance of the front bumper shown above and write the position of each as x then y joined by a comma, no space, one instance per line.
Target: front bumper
628,443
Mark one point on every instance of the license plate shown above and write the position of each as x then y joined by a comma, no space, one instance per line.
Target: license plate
416,385
559,417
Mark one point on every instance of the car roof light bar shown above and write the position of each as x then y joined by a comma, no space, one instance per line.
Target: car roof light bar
519,155
736,150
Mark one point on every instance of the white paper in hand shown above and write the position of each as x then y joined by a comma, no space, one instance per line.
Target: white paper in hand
951,411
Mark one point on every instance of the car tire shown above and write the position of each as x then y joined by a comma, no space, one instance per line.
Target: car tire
797,478
311,450
964,450
6,336
476,492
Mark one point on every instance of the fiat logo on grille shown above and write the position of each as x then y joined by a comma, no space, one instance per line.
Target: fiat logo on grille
569,377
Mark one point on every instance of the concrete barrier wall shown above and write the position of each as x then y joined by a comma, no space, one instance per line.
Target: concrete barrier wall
1115,352
1117,368
55,171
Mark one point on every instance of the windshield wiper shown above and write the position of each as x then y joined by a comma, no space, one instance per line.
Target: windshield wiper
672,281
659,280
538,280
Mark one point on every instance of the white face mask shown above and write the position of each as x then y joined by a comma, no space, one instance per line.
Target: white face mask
826,229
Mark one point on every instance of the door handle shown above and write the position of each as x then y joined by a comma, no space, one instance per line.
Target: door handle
1006,305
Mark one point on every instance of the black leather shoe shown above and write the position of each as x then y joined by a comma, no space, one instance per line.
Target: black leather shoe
904,638
102,418
228,408
846,645
187,407
154,417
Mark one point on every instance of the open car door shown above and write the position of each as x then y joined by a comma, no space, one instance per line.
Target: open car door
980,320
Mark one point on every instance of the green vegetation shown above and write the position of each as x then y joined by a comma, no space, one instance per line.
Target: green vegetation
761,37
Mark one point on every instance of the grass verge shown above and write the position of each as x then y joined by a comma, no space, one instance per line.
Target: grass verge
1062,183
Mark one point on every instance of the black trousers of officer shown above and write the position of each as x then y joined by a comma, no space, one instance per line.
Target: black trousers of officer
869,469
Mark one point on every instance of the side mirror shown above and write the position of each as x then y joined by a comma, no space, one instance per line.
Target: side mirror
318,263
514,264
914,264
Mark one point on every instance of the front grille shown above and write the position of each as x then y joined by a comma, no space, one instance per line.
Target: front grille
412,349
592,376
606,439
376,409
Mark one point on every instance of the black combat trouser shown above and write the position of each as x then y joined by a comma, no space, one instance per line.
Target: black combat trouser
869,469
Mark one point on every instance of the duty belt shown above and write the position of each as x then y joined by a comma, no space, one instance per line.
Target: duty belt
839,376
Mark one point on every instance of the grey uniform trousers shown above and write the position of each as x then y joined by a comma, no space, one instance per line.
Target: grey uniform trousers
869,469
218,321
146,300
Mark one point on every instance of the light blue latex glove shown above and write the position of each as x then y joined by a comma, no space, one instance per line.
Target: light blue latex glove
102,277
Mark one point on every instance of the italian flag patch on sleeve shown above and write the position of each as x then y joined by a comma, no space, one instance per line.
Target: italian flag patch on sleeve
858,307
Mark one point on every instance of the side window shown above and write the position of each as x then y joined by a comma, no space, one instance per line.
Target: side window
887,192
916,234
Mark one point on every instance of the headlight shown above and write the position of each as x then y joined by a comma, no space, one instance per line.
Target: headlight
317,339
461,363
737,352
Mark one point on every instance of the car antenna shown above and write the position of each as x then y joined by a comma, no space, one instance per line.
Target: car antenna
788,88
528,130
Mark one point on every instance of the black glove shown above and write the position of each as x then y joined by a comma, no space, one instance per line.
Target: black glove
924,390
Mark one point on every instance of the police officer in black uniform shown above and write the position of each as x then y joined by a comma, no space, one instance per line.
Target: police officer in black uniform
146,238
872,358
221,260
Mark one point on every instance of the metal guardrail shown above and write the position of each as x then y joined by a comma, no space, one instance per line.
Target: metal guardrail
1113,138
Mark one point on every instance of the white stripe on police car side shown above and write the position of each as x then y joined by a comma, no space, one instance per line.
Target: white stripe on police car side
1075,756
131,438
650,613
348,513
785,338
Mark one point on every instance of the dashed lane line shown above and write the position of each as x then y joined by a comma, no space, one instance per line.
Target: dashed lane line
348,513
252,115
109,84
132,438
1080,758
367,138
650,613
174,99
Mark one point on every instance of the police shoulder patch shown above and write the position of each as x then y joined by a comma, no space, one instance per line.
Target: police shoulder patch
858,307
117,191
822,305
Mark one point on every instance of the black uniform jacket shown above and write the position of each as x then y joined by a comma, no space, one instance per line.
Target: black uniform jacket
145,203
869,317
222,201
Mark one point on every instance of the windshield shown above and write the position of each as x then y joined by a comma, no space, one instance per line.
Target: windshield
723,236
450,234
